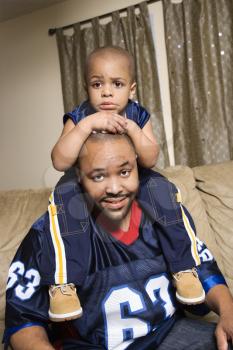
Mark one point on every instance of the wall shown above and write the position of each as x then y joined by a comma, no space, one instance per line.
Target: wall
31,106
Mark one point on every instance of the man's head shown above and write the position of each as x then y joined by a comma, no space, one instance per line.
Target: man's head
110,78
108,172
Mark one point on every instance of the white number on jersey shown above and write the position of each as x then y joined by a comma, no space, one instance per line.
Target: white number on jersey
32,277
204,253
120,330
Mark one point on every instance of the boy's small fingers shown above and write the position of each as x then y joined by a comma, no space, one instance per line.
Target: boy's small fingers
119,117
122,123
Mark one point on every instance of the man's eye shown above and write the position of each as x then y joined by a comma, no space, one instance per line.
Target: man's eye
98,178
118,84
96,84
125,173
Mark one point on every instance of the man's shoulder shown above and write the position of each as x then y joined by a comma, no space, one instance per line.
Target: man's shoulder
147,175
39,224
36,233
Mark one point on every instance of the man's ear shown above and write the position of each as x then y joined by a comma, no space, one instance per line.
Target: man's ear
132,90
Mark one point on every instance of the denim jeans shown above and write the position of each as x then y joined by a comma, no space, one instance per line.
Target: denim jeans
192,335
185,334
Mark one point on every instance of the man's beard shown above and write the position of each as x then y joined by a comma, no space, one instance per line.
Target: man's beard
104,214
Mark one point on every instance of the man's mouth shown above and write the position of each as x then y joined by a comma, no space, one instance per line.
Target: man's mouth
114,203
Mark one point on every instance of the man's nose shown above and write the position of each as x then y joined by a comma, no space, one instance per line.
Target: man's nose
114,186
107,90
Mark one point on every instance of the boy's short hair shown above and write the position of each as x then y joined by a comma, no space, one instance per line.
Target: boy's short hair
116,50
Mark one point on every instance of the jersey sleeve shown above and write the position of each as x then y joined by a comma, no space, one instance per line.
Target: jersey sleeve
79,113
26,299
137,113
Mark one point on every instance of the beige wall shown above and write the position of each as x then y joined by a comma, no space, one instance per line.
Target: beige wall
31,99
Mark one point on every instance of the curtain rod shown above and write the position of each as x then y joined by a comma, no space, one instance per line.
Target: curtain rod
52,31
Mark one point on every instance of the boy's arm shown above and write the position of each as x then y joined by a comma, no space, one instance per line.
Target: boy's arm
68,146
31,338
220,300
145,143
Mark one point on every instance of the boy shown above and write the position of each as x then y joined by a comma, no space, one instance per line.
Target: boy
110,83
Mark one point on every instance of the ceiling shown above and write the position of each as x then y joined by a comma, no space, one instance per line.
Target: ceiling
14,8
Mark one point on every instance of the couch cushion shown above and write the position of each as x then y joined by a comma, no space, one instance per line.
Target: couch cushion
215,183
19,209
183,178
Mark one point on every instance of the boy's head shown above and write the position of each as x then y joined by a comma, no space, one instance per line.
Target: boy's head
110,78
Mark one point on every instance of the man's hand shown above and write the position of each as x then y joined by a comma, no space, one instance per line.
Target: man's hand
220,300
224,330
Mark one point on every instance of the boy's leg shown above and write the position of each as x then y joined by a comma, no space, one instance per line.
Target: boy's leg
190,334
65,227
175,229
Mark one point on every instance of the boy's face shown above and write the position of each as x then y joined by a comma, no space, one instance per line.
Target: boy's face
109,82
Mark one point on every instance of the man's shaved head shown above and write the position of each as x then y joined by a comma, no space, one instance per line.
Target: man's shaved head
102,138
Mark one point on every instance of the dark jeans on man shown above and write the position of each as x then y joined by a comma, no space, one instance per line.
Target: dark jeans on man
186,334
190,334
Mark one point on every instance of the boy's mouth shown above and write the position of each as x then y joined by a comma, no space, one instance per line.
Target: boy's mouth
108,106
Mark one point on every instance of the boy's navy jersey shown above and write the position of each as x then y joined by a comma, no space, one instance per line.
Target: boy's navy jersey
133,111
125,290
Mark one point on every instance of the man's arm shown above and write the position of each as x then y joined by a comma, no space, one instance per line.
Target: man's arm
26,299
220,300
31,338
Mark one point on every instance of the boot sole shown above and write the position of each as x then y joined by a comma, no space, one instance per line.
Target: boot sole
65,317
191,301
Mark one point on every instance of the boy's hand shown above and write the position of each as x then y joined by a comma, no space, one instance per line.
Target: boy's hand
130,125
107,121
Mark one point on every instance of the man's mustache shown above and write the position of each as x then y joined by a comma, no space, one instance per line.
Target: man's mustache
115,196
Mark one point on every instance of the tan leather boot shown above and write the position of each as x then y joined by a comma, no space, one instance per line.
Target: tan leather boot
188,287
64,303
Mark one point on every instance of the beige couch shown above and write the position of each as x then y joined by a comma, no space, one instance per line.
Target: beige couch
207,192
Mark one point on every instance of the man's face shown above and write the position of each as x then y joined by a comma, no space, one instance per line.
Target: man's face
109,83
109,175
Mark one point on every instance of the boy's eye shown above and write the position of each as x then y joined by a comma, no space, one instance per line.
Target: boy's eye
96,84
98,178
125,173
118,84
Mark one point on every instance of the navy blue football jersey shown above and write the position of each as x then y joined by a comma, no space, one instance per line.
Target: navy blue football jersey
125,290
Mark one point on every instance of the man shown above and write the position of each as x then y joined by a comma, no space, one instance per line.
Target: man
122,278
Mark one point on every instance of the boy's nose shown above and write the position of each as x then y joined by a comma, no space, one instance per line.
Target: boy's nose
106,91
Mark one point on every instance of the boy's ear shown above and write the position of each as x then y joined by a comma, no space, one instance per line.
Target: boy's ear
132,90
85,86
